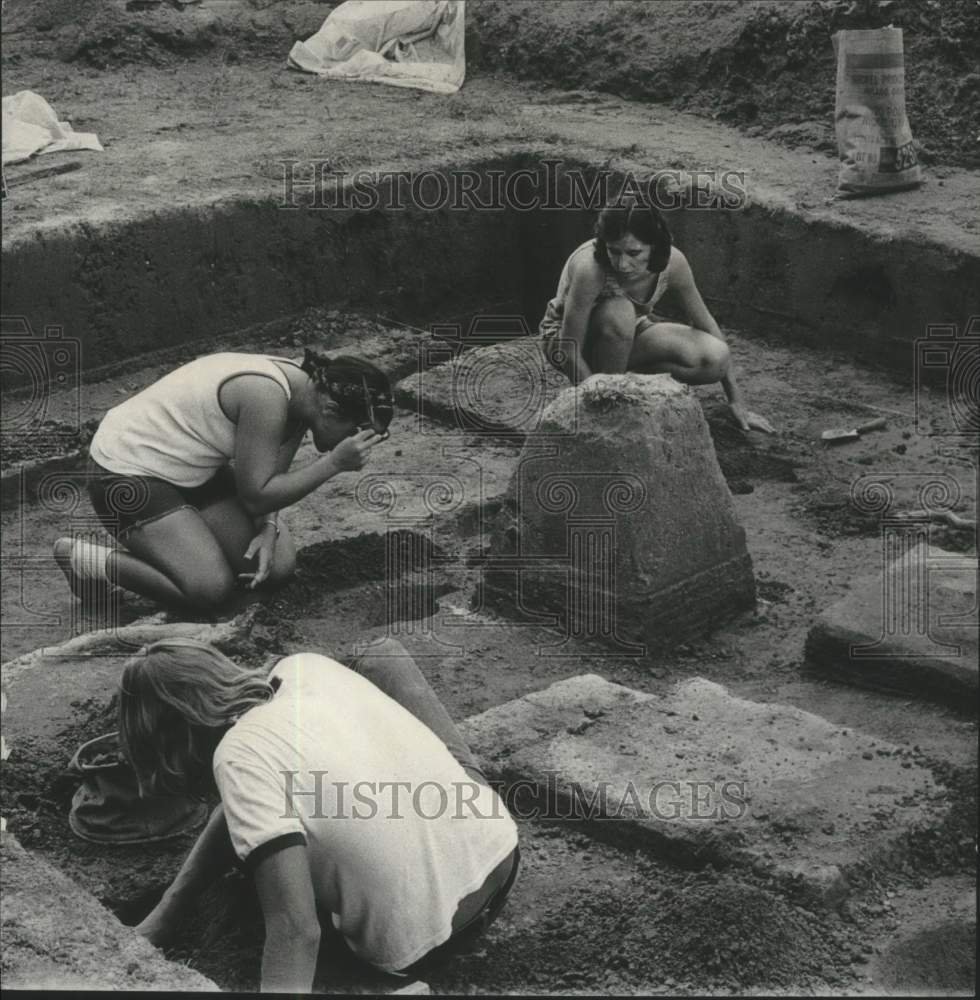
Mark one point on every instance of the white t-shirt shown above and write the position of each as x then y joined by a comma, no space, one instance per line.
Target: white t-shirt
397,832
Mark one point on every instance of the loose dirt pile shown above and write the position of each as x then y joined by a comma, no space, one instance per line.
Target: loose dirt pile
768,66
942,960
701,932
106,34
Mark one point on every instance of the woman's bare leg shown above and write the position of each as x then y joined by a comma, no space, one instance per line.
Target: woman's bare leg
175,559
689,354
612,329
234,529
390,667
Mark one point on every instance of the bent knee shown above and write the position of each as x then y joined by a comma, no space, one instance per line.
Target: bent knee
713,359
384,654
615,319
209,593
380,660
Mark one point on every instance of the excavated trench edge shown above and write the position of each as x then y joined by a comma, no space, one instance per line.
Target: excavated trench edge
118,293
124,289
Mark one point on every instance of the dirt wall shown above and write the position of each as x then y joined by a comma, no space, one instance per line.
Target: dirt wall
195,273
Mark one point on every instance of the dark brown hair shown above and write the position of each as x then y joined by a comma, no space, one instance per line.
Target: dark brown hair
359,388
642,221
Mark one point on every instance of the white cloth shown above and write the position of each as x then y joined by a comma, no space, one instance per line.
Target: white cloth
405,43
30,126
390,861
175,429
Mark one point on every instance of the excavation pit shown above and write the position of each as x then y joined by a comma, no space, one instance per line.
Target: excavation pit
232,274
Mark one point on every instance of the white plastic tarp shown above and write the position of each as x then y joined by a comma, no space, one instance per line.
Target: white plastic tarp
30,126
405,43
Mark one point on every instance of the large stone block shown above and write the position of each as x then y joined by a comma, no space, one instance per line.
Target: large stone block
618,519
699,774
911,627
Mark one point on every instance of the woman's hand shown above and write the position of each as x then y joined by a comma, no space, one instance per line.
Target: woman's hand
263,545
351,454
750,421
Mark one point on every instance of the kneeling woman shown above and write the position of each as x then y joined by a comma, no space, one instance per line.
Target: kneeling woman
602,320
189,475
347,790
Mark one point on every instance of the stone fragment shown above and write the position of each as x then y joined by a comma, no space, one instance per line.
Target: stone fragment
912,628
55,936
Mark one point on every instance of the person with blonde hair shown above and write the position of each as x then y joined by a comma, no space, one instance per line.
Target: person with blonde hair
190,474
347,790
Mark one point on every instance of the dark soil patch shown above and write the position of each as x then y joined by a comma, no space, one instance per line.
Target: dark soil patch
951,845
105,34
747,458
693,932
828,505
940,960
36,796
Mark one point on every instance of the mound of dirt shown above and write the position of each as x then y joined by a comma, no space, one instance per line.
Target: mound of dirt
740,932
768,66
940,960
710,932
110,33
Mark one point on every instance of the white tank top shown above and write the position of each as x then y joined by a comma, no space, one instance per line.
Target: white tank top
175,429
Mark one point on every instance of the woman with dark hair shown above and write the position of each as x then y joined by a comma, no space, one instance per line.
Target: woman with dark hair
602,320
346,791
189,475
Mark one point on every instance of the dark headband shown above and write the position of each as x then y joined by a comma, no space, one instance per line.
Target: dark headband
350,390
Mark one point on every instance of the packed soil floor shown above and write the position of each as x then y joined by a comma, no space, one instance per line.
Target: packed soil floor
590,915
186,112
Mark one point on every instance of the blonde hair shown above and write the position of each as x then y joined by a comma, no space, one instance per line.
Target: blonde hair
177,698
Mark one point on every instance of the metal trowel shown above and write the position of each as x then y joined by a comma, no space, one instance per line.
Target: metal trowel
853,433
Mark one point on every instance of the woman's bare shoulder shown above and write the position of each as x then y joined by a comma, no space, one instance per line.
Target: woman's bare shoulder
584,269
677,261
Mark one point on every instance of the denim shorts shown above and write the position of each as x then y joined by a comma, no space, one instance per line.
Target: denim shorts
123,503
469,934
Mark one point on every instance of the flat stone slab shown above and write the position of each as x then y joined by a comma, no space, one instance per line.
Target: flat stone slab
701,774
498,733
44,687
420,478
56,936
912,628
499,389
